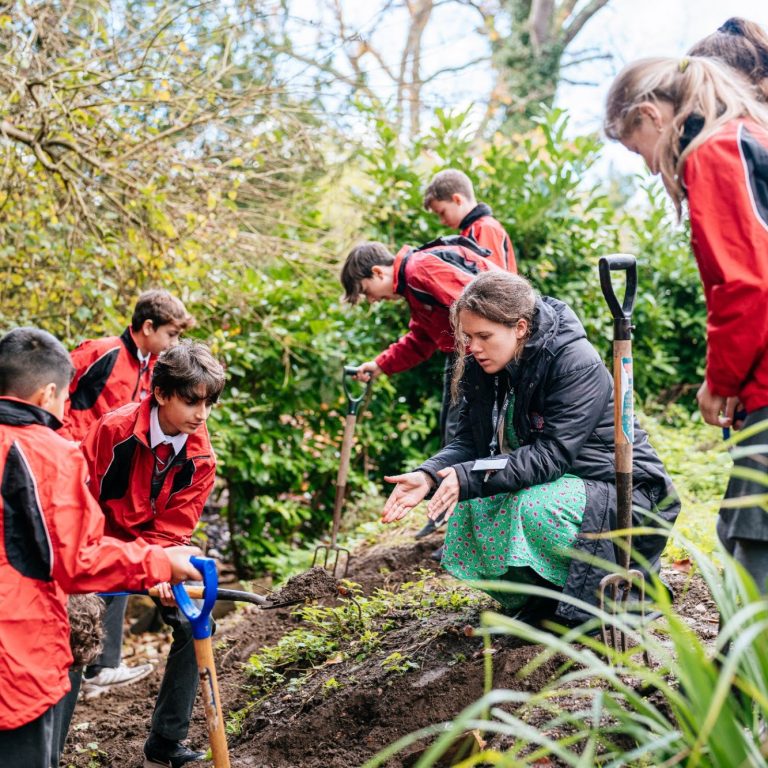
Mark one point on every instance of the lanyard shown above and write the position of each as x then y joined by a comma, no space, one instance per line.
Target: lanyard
498,418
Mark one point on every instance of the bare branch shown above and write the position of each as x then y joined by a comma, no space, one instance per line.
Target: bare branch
581,19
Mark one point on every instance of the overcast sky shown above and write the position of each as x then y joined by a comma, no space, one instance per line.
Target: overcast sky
625,29
631,29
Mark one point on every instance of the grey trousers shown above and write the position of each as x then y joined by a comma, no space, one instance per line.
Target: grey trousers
62,716
29,746
112,644
751,554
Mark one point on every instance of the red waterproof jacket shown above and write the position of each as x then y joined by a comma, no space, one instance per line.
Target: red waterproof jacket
108,374
121,463
486,231
726,179
431,279
51,543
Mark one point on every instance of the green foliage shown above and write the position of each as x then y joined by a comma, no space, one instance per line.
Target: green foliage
399,663
560,225
362,627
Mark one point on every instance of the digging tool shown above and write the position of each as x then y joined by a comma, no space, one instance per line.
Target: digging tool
618,586
200,619
331,552
233,595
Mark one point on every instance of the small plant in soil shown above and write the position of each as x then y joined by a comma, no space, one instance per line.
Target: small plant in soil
399,663
358,629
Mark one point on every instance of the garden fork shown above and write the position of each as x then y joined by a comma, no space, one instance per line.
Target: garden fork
618,586
332,553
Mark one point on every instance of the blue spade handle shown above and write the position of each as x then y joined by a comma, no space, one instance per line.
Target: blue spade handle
199,618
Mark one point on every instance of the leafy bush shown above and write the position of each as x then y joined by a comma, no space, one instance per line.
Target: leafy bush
560,225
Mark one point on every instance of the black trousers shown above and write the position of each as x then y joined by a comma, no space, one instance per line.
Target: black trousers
173,709
449,412
743,529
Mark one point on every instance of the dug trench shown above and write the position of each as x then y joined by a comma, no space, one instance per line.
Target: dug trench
415,664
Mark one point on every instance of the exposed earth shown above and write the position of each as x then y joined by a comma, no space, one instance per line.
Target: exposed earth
423,668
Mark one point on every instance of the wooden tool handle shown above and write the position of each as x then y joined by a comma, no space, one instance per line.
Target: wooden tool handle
196,593
341,478
209,688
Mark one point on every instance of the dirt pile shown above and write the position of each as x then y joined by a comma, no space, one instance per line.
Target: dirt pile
309,585
416,666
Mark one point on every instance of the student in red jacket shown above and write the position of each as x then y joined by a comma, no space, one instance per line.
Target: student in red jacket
699,125
116,370
430,279
111,372
52,543
451,197
152,468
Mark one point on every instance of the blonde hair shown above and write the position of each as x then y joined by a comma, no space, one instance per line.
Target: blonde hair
500,297
695,87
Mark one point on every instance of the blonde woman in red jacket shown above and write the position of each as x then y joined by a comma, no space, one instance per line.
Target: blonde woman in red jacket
698,124
52,543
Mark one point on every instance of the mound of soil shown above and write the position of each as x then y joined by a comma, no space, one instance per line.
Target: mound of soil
370,703
309,585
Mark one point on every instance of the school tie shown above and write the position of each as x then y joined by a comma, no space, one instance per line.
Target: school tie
163,454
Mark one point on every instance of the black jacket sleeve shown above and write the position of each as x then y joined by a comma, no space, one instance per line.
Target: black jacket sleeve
575,397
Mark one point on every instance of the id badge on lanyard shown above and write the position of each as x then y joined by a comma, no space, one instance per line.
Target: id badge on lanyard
498,420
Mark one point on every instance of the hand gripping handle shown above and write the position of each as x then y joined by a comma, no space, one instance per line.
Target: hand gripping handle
199,618
622,313
353,402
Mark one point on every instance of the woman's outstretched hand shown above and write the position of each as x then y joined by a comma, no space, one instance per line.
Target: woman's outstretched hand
409,490
446,496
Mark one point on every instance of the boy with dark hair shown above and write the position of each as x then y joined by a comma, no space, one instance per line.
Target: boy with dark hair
52,543
116,370
451,196
430,279
152,468
111,372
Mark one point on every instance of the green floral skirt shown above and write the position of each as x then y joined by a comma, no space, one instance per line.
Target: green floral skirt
502,536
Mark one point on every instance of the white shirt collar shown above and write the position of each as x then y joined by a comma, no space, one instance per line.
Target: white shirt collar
143,359
157,436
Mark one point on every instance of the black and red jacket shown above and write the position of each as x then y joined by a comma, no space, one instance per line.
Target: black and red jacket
108,374
52,544
430,279
121,462
480,226
726,182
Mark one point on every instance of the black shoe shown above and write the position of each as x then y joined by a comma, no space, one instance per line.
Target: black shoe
437,554
164,753
535,610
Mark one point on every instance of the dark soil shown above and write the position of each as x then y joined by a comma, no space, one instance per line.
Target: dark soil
369,707
309,585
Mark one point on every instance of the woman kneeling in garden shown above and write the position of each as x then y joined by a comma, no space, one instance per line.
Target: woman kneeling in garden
538,400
